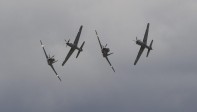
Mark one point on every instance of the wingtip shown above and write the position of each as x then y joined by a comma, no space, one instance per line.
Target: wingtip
113,68
63,63
96,32
59,78
41,44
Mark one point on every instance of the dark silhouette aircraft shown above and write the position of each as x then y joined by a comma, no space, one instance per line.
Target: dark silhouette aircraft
143,45
50,60
105,51
74,46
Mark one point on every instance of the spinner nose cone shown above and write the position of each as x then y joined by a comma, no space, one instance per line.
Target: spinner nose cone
137,42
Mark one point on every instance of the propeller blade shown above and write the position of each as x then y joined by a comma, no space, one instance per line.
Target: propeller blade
67,42
106,45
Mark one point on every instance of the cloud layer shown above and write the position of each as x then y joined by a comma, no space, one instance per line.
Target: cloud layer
165,81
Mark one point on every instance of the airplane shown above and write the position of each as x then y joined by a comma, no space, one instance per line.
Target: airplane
105,51
143,45
74,46
50,60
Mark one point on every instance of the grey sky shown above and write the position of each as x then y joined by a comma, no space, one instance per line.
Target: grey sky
164,82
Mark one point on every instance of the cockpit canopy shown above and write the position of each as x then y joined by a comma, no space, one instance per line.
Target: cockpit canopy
138,41
51,60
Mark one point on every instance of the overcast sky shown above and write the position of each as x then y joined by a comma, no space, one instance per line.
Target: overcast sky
166,81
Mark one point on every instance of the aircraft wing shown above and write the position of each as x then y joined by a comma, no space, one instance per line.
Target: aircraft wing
110,64
68,55
146,34
55,72
139,54
78,35
98,39
44,49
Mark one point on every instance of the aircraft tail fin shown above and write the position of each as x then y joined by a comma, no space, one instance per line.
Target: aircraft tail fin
81,49
150,48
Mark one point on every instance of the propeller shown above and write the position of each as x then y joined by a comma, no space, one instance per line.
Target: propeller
136,39
67,42
51,56
105,45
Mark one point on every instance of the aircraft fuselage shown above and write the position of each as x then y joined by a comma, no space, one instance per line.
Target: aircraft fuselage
50,61
139,42
73,46
105,52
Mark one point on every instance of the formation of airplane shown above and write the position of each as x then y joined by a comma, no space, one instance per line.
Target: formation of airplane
143,45
50,60
74,46
105,51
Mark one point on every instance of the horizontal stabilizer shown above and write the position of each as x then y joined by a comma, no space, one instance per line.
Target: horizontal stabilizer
150,48
81,49
113,68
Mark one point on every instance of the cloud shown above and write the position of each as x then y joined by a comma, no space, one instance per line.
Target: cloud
165,81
